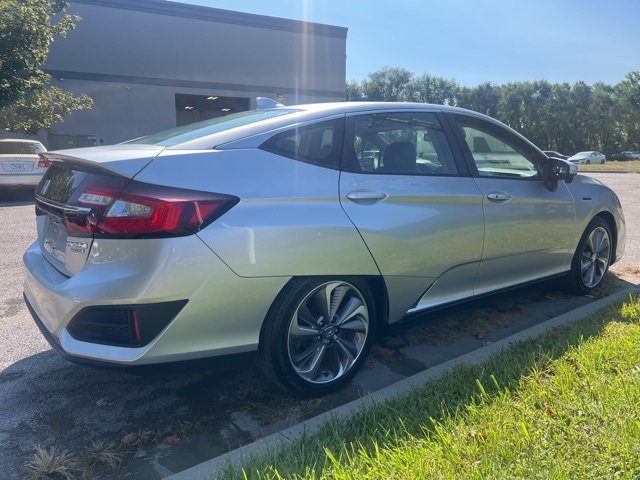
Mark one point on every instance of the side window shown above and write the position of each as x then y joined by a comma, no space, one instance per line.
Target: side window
319,143
496,151
403,143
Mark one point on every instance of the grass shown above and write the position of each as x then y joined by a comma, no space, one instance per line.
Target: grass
564,405
612,166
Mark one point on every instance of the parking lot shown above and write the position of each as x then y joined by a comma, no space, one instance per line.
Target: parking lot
170,418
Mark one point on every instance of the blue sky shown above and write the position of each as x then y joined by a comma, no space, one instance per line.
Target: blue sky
475,41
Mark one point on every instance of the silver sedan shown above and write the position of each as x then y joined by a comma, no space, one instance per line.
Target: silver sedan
298,232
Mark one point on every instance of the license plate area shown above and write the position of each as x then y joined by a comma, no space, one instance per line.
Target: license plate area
17,167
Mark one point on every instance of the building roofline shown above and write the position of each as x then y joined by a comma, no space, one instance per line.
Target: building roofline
175,9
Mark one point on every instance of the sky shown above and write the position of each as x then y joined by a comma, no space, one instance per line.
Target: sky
475,41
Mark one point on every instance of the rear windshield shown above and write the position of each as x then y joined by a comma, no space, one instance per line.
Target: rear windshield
208,127
20,148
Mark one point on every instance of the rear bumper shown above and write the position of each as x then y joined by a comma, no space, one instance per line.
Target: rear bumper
224,313
29,180
53,341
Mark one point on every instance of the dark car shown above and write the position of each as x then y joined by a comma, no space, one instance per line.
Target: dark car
623,156
554,154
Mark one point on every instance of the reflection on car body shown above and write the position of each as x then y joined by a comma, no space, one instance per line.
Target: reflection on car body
299,231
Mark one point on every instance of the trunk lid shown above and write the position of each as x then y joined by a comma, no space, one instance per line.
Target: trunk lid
72,196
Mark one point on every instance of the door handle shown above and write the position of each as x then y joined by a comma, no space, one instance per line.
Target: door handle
499,197
366,196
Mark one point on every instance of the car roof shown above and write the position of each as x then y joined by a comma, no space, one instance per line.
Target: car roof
300,114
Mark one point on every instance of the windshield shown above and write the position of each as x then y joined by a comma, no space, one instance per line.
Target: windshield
207,127
582,154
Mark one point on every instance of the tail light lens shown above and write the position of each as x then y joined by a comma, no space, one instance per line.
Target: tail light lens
44,163
143,210
113,207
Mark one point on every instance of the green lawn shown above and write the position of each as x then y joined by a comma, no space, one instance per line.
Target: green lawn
613,166
565,405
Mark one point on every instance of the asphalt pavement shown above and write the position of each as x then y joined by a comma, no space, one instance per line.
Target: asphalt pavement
167,420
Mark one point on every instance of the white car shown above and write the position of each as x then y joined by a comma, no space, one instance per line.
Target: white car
588,157
21,165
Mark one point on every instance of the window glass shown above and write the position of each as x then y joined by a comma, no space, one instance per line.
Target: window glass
208,127
496,152
405,143
318,143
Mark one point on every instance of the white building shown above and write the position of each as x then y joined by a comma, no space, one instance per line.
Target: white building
150,65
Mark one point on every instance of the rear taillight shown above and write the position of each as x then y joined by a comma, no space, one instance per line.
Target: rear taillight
44,163
111,209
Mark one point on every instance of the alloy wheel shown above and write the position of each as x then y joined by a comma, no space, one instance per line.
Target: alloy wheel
328,332
594,259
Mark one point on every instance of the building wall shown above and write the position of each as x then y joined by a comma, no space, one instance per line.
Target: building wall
133,56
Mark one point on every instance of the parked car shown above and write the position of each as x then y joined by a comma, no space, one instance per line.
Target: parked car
554,154
269,230
623,156
588,157
21,165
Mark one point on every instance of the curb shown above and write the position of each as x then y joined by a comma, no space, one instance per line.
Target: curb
276,441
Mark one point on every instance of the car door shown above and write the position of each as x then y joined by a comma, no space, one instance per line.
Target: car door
415,205
528,228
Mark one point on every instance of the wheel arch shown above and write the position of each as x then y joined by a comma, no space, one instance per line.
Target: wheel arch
375,283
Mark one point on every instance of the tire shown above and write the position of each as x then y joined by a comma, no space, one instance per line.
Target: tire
588,162
592,258
317,334
604,160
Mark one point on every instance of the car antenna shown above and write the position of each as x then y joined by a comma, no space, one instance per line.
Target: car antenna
265,102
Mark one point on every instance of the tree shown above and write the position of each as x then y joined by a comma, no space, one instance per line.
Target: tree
430,89
388,85
27,29
484,98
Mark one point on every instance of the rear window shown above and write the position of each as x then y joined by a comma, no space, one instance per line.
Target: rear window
208,127
24,148
66,185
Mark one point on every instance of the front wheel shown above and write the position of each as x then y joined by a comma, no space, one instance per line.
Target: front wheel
592,258
317,334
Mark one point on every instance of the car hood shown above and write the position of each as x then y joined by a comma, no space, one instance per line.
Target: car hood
126,160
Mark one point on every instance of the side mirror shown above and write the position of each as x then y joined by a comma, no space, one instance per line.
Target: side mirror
559,170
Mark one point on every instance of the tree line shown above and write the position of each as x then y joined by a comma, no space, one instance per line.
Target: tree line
555,116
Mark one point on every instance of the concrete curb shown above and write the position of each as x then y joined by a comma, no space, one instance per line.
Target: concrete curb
278,440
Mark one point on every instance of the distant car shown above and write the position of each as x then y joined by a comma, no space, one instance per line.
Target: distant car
588,157
623,156
21,165
272,230
554,154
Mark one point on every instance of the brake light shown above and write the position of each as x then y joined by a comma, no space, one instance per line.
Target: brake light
113,207
43,163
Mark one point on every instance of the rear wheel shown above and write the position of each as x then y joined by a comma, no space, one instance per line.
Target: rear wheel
317,334
592,258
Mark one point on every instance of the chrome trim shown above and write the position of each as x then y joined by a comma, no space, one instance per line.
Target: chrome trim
61,206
